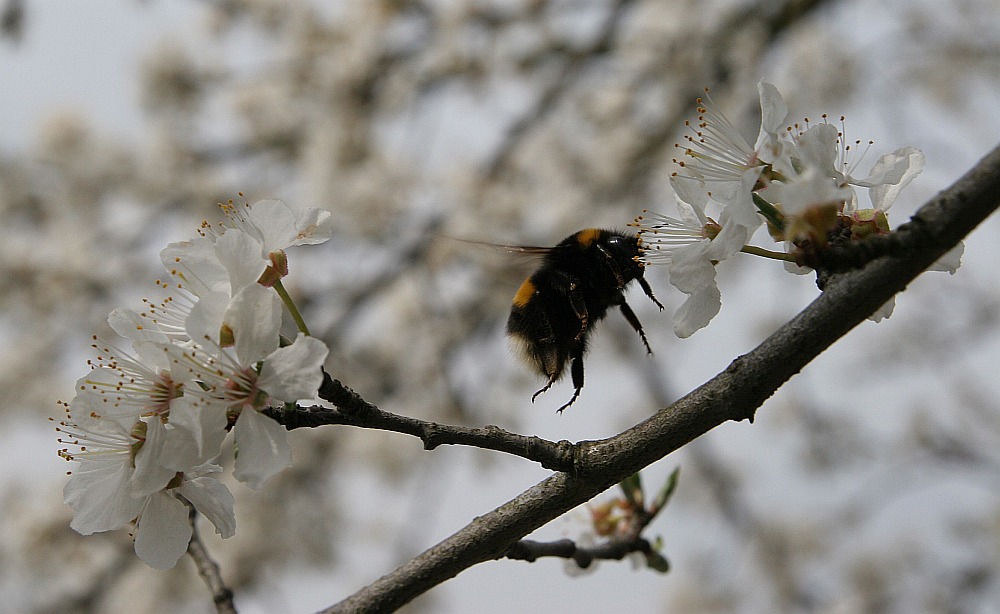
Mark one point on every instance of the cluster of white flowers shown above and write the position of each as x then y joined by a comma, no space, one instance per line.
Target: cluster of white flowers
798,179
146,426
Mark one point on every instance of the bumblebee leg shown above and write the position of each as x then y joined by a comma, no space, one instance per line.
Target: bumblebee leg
576,370
548,384
613,266
649,292
579,308
634,321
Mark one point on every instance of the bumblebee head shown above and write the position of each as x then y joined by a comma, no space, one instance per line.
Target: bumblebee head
624,250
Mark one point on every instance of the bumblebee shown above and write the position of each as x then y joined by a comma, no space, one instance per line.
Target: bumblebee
556,307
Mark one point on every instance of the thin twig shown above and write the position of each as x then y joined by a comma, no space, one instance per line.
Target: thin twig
611,550
352,410
208,569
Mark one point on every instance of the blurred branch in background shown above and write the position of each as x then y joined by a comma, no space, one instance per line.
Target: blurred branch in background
12,20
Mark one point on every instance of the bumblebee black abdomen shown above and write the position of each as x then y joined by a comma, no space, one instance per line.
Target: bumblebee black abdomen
542,322
556,307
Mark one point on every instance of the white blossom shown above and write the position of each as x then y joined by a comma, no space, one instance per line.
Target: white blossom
146,426
278,225
244,384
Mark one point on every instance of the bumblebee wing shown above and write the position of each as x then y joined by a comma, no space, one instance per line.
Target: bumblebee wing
531,250
526,249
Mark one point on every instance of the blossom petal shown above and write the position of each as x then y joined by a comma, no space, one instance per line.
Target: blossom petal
131,325
884,311
197,434
315,226
812,188
262,448
693,273
153,355
730,240
773,112
284,225
891,174
163,532
150,473
692,192
294,372
276,222
211,497
254,315
773,109
99,495
697,311
738,206
97,394
195,264
950,261
206,317
691,268
243,258
818,147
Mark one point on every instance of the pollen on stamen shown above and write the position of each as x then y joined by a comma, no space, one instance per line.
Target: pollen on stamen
659,235
850,154
168,316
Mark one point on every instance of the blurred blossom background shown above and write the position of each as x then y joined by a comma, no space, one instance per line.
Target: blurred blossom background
869,483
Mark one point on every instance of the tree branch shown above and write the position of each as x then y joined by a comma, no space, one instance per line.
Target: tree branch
734,394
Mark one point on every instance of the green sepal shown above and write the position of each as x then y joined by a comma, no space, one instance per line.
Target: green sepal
655,560
774,217
663,497
632,487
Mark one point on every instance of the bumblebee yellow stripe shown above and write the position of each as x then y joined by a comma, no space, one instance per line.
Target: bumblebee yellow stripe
524,293
587,236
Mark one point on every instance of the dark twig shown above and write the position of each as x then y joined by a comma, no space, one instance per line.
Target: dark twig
352,410
612,549
619,523
208,569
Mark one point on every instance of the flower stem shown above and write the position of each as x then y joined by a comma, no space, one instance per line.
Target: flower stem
292,309
765,253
